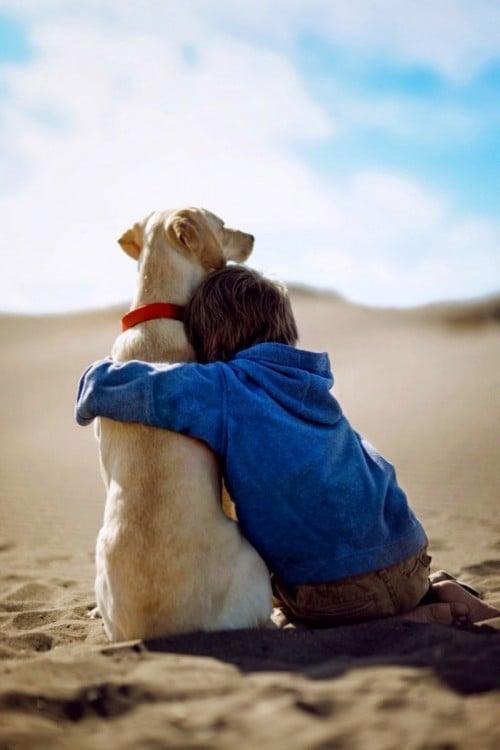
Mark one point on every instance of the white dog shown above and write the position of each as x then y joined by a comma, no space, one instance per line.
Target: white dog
168,560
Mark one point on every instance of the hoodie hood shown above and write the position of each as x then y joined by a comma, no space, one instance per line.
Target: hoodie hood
299,381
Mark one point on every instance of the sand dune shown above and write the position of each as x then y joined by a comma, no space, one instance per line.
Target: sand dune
422,385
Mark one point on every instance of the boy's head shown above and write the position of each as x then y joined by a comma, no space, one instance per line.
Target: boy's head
234,308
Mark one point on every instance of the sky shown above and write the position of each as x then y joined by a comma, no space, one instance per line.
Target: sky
358,140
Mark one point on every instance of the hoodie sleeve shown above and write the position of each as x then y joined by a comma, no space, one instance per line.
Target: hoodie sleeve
187,398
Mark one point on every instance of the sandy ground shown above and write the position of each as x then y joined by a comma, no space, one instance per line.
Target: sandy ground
422,385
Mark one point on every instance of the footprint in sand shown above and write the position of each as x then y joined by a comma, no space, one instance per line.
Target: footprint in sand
35,619
30,592
28,642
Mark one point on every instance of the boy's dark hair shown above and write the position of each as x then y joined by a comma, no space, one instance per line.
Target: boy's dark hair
236,307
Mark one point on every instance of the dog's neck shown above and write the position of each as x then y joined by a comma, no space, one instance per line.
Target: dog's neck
152,311
166,276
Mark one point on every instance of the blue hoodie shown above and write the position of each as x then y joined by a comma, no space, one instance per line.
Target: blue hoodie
313,497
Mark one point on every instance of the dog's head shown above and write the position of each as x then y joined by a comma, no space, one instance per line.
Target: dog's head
192,232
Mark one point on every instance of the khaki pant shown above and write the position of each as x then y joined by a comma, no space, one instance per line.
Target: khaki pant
383,593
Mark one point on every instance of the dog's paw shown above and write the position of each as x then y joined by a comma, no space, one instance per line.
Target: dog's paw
94,613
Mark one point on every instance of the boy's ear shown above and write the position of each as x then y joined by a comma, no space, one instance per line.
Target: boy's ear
131,242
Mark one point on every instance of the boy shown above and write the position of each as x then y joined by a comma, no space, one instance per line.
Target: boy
317,501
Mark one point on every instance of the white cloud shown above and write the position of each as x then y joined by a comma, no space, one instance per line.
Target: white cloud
121,139
397,244
161,108
454,37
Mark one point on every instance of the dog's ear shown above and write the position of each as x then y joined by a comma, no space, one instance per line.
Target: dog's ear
189,232
129,243
182,233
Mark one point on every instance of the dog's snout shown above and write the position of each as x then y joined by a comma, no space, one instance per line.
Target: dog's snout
247,239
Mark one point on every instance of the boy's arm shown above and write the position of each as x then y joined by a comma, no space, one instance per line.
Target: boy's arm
116,390
187,398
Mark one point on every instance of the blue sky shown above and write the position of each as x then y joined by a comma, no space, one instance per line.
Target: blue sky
359,140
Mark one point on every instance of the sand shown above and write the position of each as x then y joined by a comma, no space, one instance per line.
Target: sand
423,386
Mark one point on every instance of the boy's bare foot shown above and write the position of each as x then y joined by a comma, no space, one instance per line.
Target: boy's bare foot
452,593
442,613
453,606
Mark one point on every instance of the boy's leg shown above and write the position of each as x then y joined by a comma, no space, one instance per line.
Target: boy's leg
383,593
403,590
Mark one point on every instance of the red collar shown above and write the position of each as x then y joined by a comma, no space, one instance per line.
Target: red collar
152,312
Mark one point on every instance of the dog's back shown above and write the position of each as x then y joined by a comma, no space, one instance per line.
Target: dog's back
168,560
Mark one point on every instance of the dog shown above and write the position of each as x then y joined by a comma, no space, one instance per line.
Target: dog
168,560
